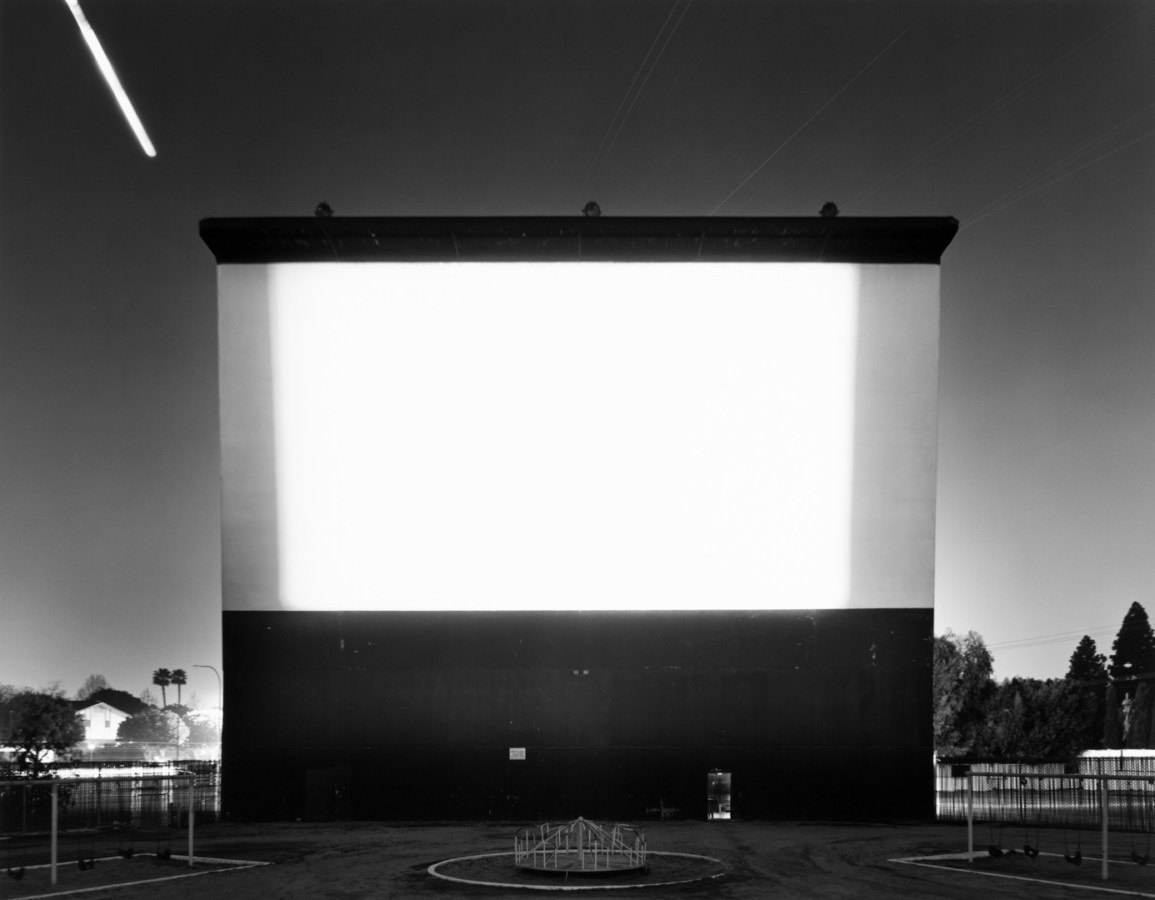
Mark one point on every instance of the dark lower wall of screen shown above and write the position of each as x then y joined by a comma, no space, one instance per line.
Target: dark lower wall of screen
821,714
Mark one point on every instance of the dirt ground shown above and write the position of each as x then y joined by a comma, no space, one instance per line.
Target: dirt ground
780,860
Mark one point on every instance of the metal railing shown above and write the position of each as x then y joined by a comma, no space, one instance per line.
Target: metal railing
105,805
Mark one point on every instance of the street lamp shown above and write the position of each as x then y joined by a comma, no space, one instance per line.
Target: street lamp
220,725
220,688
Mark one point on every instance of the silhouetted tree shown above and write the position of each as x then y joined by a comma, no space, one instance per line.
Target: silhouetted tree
92,684
1133,652
122,700
162,678
1030,717
1112,720
961,684
203,729
1001,730
8,693
42,724
1088,674
153,725
1087,663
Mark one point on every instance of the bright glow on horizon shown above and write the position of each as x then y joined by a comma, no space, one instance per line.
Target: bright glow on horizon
105,65
562,436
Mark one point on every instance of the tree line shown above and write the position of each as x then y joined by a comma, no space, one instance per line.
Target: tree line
1101,703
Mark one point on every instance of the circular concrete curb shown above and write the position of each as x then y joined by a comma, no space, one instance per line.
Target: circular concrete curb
432,870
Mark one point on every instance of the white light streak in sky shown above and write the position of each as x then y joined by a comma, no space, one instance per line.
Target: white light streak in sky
105,65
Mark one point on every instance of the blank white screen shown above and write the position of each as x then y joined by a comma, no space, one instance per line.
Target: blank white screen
560,435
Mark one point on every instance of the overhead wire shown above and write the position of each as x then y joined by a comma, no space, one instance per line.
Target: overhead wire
593,173
812,160
1021,643
1005,100
638,93
871,112
625,97
664,163
1059,171
804,125
1059,637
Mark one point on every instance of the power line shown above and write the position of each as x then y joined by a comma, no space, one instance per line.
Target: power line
592,176
1024,643
1041,181
873,110
671,160
1014,94
1060,637
1056,635
625,97
801,127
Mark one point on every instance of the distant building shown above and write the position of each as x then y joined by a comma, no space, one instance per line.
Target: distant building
101,722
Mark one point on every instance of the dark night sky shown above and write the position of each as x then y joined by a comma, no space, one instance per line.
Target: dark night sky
1031,122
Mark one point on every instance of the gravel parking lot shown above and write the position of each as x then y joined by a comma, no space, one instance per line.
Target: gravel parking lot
781,860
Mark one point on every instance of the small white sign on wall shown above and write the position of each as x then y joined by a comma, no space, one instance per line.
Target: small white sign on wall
517,752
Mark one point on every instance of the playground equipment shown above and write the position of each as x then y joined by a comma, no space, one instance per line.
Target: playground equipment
1073,801
65,819
580,847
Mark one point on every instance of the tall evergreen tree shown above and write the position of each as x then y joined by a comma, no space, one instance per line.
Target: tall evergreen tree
1087,674
1133,652
1087,663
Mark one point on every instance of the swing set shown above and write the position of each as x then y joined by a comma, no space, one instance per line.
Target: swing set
1030,845
66,820
1039,796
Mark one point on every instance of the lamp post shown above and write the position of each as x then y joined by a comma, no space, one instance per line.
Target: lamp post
220,695
220,687
220,726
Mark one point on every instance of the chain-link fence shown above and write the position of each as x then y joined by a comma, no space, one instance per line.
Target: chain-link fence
1049,793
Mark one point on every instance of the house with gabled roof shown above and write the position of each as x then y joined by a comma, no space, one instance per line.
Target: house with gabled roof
101,721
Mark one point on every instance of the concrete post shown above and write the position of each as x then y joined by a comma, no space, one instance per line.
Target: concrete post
970,818
54,852
1103,813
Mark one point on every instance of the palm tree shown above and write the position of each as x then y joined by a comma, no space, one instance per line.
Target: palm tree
179,678
162,678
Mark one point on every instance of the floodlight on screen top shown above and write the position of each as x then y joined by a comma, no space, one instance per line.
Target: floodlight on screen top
561,436
105,65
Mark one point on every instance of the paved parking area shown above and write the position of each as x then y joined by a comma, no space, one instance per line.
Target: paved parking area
779,860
